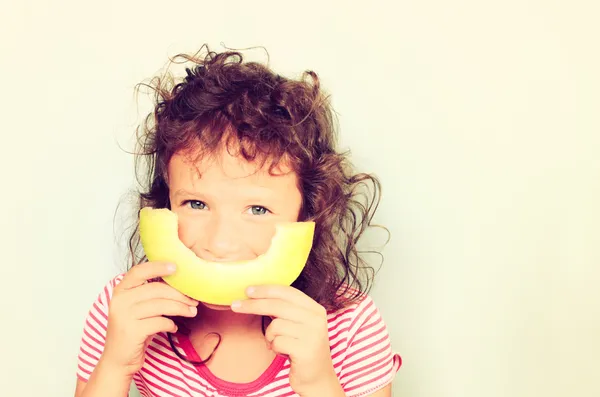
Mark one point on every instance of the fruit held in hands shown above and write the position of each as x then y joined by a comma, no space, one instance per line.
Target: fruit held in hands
221,283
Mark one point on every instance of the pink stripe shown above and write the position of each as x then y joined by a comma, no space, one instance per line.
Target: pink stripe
273,390
364,320
92,348
339,363
360,330
174,359
361,359
200,382
346,290
165,383
336,355
168,353
284,375
332,347
152,349
97,334
163,354
290,393
88,354
286,366
347,312
186,378
100,311
100,323
172,376
363,369
88,335
366,347
277,379
106,293
142,392
332,337
380,330
84,361
158,340
117,280
370,382
339,323
84,371
364,309
163,348
162,340
140,383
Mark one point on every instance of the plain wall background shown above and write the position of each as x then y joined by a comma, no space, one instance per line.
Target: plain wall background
480,117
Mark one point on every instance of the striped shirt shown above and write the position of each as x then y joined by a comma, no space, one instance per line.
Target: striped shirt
360,350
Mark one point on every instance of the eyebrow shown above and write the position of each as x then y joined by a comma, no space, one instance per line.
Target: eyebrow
252,193
183,192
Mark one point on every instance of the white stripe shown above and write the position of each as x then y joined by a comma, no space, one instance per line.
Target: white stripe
192,379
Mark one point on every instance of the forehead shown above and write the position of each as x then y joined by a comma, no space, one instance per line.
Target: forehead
225,166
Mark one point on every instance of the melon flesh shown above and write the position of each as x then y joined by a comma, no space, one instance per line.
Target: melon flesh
221,283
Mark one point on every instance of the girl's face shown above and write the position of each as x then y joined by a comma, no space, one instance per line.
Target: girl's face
227,208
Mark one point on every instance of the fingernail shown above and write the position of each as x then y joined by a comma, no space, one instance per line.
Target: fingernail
171,267
236,305
250,290
193,310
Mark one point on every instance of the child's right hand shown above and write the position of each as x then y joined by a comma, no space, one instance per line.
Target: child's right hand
136,312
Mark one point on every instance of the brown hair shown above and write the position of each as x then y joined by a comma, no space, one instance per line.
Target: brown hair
268,117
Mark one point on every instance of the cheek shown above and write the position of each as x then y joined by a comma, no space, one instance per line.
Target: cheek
189,231
259,238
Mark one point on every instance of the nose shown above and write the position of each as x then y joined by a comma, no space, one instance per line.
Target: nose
221,238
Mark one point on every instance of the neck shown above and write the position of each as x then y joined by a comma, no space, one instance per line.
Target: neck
225,321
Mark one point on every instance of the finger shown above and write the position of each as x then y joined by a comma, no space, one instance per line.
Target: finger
274,308
286,345
160,291
154,325
140,274
284,292
281,327
162,307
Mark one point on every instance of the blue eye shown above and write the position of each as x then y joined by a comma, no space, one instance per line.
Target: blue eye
258,210
195,204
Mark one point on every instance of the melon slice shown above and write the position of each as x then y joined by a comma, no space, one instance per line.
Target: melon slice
221,283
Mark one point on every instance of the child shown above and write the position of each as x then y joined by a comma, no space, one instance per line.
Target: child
234,149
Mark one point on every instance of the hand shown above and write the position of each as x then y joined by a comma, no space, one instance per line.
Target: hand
299,330
136,312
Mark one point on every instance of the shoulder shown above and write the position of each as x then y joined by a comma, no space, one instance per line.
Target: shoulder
349,325
102,301
98,313
107,290
353,315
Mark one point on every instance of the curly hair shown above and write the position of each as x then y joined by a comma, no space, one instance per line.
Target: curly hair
268,117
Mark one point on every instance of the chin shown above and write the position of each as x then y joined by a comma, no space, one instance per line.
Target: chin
216,307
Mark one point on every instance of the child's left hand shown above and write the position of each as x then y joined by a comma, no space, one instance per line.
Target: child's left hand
300,331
